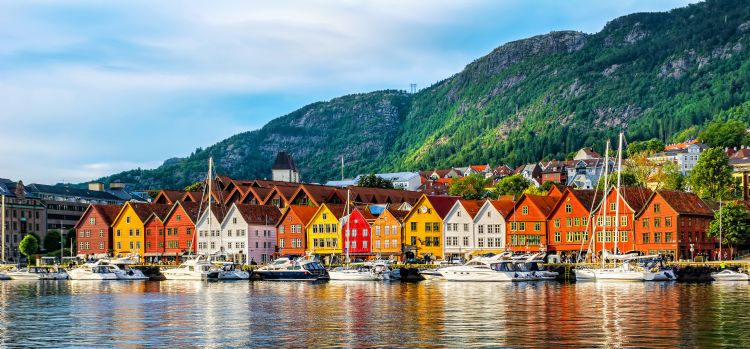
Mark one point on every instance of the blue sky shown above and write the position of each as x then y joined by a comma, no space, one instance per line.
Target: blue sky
90,88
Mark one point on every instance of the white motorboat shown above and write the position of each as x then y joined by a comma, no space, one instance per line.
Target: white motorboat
93,271
121,268
730,275
38,273
230,271
293,270
482,269
4,276
193,269
361,272
430,274
623,272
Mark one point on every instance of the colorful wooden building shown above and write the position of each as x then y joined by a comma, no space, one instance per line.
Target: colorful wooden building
632,201
154,237
674,224
490,226
424,226
459,232
528,223
249,232
292,229
570,223
357,232
209,238
179,229
324,231
128,228
94,230
387,237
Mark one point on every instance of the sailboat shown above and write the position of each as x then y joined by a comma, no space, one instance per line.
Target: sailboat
625,267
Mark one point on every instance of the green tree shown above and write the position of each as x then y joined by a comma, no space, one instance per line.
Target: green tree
650,146
672,178
195,186
29,246
732,219
722,134
511,185
627,179
471,187
711,176
534,190
373,181
51,241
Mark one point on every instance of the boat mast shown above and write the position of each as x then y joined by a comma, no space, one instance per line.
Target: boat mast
347,244
604,202
720,241
617,198
2,227
209,179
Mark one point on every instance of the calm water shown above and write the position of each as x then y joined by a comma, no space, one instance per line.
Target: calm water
427,314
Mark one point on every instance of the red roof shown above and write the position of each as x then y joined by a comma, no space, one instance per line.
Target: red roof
169,196
685,203
635,197
471,206
682,145
144,210
442,204
545,204
303,212
503,206
586,197
479,168
259,214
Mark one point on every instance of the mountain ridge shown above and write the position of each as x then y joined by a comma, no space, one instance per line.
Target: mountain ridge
651,74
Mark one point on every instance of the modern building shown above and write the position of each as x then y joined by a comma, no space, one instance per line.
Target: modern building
23,214
684,155
401,180
65,205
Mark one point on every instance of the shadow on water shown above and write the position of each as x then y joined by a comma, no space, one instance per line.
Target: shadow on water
367,314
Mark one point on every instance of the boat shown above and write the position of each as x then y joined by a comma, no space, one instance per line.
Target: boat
430,274
730,275
483,269
193,269
4,276
362,272
93,271
655,270
121,268
529,267
38,273
230,271
293,270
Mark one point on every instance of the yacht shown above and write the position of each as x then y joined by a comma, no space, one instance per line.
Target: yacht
38,273
93,271
430,274
4,276
288,269
622,272
192,269
360,272
230,271
121,268
730,275
655,270
483,269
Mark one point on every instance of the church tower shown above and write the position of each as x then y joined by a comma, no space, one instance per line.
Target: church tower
284,168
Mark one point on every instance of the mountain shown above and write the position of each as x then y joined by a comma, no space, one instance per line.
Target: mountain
660,75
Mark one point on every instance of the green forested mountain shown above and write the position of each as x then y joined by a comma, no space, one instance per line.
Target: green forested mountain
660,75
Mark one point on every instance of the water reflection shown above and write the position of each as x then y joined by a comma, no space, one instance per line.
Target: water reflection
367,314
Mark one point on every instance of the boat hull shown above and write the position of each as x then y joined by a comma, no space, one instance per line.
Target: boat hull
346,276
290,275
82,275
460,274
730,276
608,275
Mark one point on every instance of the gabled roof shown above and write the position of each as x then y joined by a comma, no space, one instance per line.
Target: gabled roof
304,213
168,196
471,206
317,194
259,214
586,197
143,210
337,210
545,204
635,197
505,207
442,204
284,161
108,213
504,170
685,203
191,210
160,212
398,214
480,168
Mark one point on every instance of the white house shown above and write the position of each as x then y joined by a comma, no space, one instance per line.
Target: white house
249,233
209,232
401,180
684,155
489,226
458,228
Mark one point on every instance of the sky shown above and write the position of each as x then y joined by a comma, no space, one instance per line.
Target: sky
92,88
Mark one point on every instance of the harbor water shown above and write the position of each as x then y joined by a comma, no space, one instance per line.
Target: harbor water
373,314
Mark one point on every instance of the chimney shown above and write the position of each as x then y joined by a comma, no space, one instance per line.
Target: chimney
96,186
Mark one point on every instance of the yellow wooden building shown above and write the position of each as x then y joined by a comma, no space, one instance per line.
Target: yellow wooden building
423,226
324,231
127,228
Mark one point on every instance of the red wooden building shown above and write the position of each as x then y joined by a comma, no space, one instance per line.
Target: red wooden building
674,223
632,200
154,236
94,230
290,230
569,222
358,227
528,223
179,229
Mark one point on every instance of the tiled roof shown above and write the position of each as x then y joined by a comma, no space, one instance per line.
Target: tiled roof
635,197
442,204
479,168
108,212
545,204
284,161
259,214
144,210
685,203
505,207
682,145
398,214
471,206
304,213
338,210
170,196
191,209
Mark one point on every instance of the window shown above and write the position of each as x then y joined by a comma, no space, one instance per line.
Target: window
427,226
466,241
436,241
645,238
657,222
644,222
413,226
480,229
657,238
179,218
436,226
568,222
557,236
281,243
377,231
568,208
613,206
325,216
131,232
522,226
127,219
577,222
623,221
448,226
92,221
101,233
480,242
119,245
148,232
414,240
585,221
668,237
667,222
82,234
624,236
525,210
537,226
189,231
138,232
657,208
234,220
557,222
466,226
101,245
377,244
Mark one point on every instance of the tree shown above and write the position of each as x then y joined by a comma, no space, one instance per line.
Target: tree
627,179
650,146
195,186
734,227
373,181
641,167
52,241
672,177
28,247
471,187
722,134
533,190
711,176
511,185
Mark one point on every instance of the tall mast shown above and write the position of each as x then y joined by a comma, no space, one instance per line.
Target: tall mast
617,203
2,225
604,202
210,182
720,241
348,225
62,242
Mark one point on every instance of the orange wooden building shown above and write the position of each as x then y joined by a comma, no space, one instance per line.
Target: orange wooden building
528,223
291,227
